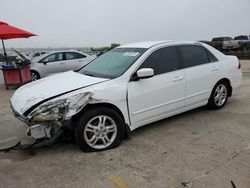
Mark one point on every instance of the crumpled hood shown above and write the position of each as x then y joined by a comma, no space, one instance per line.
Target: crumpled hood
35,92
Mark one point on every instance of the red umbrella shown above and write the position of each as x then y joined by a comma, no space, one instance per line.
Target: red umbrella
10,32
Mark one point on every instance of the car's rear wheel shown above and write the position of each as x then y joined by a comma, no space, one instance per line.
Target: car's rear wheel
99,129
219,95
34,75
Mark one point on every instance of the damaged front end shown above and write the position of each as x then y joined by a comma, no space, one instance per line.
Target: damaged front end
47,120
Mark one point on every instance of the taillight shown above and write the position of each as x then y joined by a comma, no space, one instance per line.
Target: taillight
239,66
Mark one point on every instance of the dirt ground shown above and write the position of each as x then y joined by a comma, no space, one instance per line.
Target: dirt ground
199,149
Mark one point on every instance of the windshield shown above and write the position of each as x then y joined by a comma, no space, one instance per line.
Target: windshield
112,64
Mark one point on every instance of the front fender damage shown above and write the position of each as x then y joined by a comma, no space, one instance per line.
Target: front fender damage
79,103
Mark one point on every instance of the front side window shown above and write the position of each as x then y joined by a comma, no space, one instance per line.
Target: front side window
112,64
162,61
193,55
52,58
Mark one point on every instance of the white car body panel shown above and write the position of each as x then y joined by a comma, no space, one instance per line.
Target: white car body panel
144,101
35,92
200,81
229,71
149,99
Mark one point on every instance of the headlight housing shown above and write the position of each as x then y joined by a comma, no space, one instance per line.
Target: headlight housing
58,110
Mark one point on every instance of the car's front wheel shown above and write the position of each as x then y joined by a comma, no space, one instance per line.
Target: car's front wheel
99,129
34,75
219,95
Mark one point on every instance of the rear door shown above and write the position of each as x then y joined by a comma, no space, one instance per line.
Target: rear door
202,71
74,60
155,98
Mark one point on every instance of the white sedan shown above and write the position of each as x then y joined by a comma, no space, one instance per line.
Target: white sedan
126,88
58,61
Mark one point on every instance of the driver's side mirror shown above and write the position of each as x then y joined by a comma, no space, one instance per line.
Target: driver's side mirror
143,74
45,61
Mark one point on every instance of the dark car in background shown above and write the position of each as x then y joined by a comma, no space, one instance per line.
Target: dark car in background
243,42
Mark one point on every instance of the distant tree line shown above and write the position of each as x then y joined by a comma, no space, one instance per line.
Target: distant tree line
105,49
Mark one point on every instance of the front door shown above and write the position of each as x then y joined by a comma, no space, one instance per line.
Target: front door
53,63
163,94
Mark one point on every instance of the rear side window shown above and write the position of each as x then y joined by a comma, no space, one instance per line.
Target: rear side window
193,55
162,60
74,55
211,57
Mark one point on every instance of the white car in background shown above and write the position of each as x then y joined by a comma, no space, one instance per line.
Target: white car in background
58,61
126,88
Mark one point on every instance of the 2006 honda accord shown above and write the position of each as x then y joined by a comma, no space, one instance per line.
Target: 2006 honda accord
125,88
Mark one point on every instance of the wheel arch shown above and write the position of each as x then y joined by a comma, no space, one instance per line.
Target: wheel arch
106,105
229,84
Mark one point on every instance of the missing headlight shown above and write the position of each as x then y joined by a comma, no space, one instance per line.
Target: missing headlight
59,110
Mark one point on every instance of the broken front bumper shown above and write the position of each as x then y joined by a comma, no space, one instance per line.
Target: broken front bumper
19,116
37,131
49,117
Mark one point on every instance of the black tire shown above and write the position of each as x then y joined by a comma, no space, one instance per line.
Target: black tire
89,115
213,103
34,75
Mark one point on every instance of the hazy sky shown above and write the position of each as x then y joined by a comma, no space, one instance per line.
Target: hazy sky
82,23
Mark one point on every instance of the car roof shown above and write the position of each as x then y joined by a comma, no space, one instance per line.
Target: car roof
150,44
61,51
58,51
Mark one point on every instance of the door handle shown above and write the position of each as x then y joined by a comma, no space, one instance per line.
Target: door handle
215,68
178,78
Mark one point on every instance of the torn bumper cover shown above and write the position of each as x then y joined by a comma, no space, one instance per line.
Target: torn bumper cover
47,119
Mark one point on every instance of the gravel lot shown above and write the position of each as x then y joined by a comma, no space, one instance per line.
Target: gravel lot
202,148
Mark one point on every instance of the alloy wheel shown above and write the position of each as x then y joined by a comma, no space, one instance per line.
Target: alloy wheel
100,132
34,76
220,95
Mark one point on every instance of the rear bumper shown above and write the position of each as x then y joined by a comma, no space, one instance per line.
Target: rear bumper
237,79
